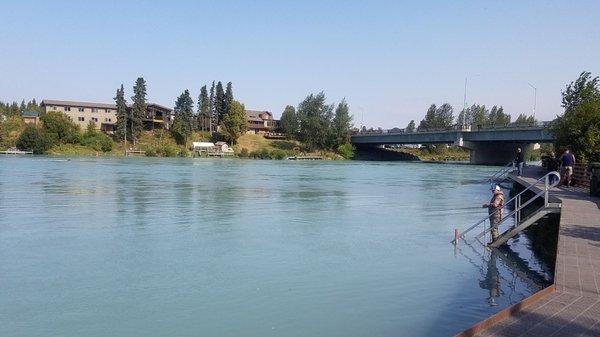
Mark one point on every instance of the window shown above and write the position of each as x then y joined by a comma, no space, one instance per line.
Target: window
53,108
94,119
67,108
107,110
81,119
94,109
80,109
107,120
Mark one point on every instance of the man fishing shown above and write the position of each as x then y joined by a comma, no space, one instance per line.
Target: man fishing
495,210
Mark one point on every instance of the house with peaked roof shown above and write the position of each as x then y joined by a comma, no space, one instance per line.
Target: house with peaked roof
261,122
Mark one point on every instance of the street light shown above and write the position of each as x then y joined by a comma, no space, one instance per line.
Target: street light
534,98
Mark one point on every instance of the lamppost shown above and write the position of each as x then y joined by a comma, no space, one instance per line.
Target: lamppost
534,98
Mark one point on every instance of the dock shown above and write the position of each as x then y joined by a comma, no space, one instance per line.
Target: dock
571,306
305,158
15,151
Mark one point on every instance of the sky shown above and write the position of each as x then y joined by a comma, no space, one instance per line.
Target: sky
390,60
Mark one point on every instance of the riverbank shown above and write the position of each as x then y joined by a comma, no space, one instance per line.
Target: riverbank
435,154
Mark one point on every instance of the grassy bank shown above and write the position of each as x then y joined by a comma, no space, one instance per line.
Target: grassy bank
441,153
259,147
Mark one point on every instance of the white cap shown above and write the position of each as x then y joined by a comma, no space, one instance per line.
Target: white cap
495,188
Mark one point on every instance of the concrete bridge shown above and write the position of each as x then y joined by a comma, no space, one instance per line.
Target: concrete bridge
487,146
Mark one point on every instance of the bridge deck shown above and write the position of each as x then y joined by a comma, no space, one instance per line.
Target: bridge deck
574,308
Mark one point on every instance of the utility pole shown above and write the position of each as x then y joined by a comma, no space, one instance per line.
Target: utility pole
534,98
465,97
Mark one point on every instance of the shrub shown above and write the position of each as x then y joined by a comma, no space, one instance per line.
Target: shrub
346,150
168,151
150,152
244,153
278,154
97,141
60,128
34,139
183,153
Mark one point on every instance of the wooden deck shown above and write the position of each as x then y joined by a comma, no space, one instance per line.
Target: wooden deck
573,309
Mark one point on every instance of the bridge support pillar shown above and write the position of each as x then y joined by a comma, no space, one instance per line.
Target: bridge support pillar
494,153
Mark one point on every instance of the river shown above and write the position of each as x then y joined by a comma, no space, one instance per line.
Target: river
210,247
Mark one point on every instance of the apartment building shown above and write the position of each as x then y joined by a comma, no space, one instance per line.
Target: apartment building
82,113
104,115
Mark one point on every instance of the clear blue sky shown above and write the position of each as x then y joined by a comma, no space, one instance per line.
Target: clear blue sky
390,59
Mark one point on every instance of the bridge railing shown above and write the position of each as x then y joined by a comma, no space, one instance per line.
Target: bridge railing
457,127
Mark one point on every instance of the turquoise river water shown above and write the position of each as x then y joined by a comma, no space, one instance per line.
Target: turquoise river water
200,247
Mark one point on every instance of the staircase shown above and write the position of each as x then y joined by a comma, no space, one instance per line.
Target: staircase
541,187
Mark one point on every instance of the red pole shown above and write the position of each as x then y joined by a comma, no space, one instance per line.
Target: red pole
456,236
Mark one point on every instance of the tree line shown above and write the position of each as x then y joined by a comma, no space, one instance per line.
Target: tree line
15,109
319,125
215,111
442,117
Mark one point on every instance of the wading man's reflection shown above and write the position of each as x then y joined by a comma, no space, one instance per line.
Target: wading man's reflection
491,282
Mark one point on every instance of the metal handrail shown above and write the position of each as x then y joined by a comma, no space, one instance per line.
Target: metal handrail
504,170
518,206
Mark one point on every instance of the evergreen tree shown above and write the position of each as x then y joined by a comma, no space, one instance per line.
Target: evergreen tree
139,108
204,113
122,115
220,103
228,97
289,121
213,111
234,122
411,126
342,123
182,124
22,107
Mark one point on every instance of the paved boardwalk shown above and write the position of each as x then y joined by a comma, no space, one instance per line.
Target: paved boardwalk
574,308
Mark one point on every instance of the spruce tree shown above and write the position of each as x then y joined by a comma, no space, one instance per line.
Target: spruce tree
411,126
213,113
228,97
220,104
182,124
138,110
122,117
204,117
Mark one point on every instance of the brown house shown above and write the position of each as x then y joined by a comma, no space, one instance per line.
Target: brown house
261,121
31,117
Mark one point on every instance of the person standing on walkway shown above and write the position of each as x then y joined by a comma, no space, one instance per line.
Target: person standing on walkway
495,210
567,161
552,164
520,161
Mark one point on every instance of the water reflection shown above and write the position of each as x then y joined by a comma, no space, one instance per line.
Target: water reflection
504,274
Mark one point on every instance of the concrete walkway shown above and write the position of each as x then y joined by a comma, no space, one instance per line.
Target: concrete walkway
574,308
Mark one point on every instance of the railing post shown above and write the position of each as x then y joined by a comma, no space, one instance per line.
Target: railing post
546,187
